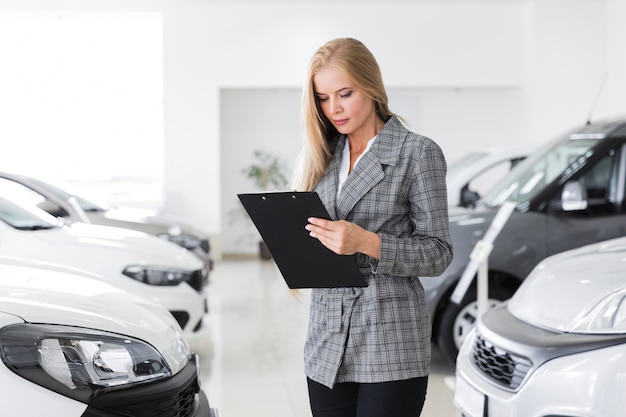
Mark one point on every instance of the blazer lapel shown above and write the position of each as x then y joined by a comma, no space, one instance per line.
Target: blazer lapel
367,173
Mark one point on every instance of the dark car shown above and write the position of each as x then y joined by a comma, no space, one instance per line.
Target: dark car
567,194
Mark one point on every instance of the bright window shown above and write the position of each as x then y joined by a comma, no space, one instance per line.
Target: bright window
81,98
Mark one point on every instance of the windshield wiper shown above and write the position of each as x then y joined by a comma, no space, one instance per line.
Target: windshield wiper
35,227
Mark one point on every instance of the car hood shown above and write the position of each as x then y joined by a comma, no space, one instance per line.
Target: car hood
53,294
579,291
144,242
123,245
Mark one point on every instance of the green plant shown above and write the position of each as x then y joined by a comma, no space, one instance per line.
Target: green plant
266,171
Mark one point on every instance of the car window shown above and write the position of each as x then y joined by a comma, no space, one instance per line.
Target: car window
602,186
17,192
488,178
534,173
21,217
27,197
66,191
467,160
596,182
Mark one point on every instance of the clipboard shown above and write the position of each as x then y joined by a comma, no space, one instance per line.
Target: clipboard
280,218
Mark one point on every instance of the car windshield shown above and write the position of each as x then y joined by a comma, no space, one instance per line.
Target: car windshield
66,191
534,173
23,218
460,164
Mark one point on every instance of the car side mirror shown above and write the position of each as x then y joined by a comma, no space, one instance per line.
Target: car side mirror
573,197
468,197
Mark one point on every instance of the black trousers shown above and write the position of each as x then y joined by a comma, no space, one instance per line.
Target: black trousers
386,399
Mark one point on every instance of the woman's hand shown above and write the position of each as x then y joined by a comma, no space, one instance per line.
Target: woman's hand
343,237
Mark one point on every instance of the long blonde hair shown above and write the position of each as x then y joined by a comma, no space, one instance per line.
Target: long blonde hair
361,68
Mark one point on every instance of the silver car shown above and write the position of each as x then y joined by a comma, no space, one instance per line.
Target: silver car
557,348
476,171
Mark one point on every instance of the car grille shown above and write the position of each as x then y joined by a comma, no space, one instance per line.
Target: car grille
198,279
180,405
503,367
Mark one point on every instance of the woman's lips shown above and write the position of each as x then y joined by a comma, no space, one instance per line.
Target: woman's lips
340,122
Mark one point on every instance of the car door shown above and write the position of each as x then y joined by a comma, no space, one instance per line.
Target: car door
604,217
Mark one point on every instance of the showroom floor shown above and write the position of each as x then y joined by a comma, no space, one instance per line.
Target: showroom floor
251,353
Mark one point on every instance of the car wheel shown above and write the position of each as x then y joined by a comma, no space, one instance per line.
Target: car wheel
459,319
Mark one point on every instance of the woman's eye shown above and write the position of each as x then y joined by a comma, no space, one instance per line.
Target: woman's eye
346,95
322,99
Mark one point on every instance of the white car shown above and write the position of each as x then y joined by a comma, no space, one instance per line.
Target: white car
62,199
473,174
132,260
74,345
558,347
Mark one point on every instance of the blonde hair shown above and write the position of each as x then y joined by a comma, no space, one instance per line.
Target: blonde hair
359,65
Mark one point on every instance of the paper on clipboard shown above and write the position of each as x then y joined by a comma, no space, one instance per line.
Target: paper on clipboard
304,262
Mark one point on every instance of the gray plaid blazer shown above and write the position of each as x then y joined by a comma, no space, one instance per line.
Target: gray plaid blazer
382,332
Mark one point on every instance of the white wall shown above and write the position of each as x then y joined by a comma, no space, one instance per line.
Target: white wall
567,61
468,73
614,91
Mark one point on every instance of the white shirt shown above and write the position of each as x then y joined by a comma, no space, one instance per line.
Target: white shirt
344,167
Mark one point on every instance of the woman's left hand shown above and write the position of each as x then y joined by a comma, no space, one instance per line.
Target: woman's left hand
344,237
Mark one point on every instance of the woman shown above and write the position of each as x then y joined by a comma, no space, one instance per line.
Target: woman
367,351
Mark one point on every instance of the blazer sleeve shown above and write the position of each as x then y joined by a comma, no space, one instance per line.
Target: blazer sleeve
427,250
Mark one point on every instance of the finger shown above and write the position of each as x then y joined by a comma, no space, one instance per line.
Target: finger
314,231
319,222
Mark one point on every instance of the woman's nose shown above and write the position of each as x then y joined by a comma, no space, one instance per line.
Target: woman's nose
335,107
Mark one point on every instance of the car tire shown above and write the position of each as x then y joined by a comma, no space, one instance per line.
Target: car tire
458,320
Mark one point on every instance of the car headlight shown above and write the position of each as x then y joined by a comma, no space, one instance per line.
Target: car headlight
189,242
155,275
606,316
77,362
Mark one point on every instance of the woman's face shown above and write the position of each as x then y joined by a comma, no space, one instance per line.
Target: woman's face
347,107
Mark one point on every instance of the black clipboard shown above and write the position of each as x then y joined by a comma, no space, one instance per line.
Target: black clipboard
280,218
